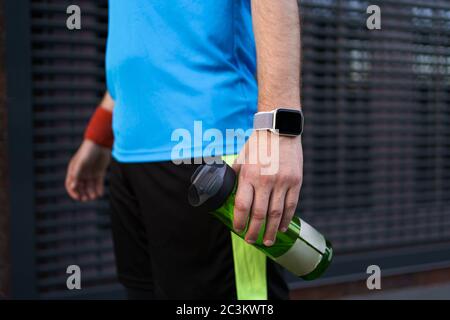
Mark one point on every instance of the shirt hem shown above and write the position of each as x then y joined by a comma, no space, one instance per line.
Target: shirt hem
166,155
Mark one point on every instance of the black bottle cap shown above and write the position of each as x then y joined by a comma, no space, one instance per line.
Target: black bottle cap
211,186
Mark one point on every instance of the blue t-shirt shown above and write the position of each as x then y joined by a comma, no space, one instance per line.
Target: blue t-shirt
176,69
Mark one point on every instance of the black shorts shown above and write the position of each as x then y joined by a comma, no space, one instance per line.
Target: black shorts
170,250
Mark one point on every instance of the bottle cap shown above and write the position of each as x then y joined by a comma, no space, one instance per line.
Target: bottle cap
211,185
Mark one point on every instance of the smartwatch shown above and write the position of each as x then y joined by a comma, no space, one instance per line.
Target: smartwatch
286,122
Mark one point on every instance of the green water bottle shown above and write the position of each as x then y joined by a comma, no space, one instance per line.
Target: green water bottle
301,249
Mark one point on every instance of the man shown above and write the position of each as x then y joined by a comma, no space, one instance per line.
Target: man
169,65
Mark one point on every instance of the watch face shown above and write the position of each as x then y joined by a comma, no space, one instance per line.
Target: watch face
289,122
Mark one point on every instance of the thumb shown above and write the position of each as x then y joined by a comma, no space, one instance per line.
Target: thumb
71,182
236,167
237,164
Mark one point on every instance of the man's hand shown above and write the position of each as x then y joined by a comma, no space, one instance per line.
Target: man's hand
86,171
270,198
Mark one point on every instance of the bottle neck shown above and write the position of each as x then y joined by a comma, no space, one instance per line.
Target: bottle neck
212,184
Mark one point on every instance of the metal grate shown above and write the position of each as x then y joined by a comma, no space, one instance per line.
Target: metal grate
68,82
377,138
377,147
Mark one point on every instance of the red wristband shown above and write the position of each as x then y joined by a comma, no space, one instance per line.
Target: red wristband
99,129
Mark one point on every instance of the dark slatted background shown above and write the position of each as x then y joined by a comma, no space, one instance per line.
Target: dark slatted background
68,82
377,139
377,147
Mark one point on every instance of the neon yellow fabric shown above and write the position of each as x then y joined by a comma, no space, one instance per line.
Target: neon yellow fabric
249,264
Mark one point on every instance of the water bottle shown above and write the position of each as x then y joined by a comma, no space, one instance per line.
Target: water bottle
301,249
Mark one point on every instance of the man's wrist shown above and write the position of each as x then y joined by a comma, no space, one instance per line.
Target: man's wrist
285,121
99,129
265,104
92,144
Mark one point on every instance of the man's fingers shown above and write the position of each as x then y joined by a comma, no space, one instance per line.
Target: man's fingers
99,186
71,187
242,205
84,189
237,164
274,215
81,188
259,211
236,167
91,189
290,205
71,182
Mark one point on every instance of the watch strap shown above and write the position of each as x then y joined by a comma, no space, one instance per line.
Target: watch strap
263,121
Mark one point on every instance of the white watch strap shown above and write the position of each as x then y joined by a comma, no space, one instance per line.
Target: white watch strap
263,121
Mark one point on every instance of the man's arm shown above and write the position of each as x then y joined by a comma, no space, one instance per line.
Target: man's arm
87,168
272,198
277,35
99,129
107,102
